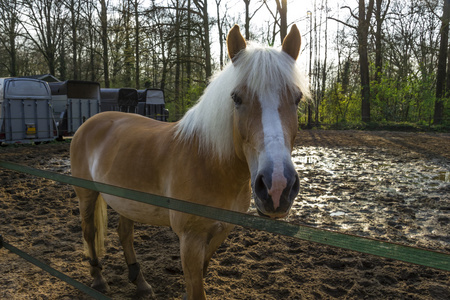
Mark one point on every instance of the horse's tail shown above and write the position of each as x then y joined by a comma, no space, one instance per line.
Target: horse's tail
101,225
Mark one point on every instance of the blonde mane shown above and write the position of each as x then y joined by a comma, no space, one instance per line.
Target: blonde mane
260,69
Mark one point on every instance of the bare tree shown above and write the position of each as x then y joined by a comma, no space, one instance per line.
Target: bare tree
137,42
9,21
442,60
249,16
324,68
202,6
125,32
92,33
178,63
220,23
362,32
282,9
74,7
103,14
281,20
42,26
380,16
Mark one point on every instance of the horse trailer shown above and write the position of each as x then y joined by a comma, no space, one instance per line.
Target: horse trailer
122,99
25,111
73,103
152,104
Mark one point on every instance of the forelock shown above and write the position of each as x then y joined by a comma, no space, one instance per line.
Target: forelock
263,69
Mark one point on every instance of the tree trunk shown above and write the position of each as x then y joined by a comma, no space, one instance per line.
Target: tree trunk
179,107
188,48
136,45
104,38
324,68
363,32
220,28
128,56
74,26
90,72
282,9
378,58
12,44
247,19
202,6
9,15
309,113
441,71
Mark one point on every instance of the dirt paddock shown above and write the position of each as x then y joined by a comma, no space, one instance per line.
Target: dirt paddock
350,183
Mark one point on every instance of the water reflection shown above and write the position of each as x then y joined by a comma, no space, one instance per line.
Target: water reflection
372,192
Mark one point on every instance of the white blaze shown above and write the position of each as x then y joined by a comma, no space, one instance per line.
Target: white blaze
275,147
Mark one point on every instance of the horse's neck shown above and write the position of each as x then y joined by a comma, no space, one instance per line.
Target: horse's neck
227,167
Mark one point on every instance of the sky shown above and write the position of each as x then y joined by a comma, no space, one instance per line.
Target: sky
297,13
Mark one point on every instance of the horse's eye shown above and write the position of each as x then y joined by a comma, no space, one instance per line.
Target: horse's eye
298,99
237,100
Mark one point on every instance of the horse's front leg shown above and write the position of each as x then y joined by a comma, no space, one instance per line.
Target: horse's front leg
197,247
193,250
126,236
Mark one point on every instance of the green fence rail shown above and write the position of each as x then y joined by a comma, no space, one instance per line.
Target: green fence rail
84,288
365,245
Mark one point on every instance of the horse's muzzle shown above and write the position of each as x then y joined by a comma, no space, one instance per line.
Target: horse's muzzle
274,195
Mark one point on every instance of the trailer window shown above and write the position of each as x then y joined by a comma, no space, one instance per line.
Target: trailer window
26,88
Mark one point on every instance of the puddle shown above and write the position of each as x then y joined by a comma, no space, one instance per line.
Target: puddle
443,176
371,192
337,213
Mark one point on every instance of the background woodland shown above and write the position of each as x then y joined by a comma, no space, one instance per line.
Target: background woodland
369,61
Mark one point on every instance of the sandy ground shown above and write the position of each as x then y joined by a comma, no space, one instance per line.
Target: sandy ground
389,185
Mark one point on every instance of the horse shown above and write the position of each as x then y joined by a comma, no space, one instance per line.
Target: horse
236,139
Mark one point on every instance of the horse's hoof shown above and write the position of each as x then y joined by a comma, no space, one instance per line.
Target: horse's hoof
145,293
100,285
143,289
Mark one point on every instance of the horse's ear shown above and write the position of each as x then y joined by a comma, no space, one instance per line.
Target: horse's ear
235,42
292,42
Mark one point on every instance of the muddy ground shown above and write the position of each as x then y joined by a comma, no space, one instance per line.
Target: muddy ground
389,185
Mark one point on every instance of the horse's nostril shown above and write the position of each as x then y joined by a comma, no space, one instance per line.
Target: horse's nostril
295,188
261,189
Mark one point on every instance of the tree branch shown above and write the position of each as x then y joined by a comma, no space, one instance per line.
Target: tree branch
342,22
351,12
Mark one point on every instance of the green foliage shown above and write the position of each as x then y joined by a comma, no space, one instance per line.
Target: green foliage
397,103
409,99
338,106
177,110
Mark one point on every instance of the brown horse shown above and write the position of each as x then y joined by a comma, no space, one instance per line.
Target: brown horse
238,137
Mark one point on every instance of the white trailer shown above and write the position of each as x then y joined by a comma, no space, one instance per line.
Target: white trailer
25,111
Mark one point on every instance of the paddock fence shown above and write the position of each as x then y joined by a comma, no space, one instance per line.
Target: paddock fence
409,254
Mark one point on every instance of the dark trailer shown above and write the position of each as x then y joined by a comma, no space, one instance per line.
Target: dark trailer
73,103
152,104
25,111
122,99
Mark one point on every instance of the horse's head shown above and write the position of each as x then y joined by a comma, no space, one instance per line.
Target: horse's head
265,124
